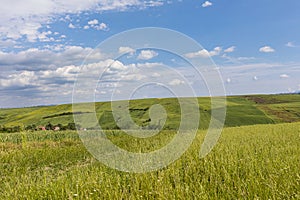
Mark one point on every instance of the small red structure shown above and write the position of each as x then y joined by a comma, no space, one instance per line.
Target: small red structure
42,128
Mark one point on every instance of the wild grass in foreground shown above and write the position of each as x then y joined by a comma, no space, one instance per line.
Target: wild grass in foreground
253,162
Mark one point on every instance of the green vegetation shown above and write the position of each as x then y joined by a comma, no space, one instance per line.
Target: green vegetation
241,110
281,108
257,161
251,162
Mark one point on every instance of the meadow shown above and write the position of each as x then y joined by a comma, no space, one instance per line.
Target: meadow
241,110
249,162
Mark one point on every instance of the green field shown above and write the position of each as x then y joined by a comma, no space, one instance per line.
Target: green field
251,162
257,156
241,110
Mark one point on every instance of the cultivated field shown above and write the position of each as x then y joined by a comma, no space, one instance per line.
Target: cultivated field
241,110
251,162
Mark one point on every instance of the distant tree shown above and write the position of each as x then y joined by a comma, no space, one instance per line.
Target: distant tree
71,126
60,126
49,126
28,128
16,129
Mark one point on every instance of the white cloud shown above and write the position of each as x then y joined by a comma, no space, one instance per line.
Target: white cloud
150,65
132,77
230,49
245,58
147,55
102,27
66,72
93,22
267,49
29,16
204,53
54,84
290,44
124,50
201,53
54,79
207,4
216,51
7,43
117,65
284,76
176,82
155,3
71,26
23,79
44,36
156,75
96,25
53,56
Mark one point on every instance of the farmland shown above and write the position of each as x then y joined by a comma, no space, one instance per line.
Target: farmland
257,156
251,162
241,110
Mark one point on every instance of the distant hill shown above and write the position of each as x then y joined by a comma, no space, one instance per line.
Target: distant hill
241,110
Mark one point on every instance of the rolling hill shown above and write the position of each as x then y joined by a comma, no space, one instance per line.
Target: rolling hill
241,110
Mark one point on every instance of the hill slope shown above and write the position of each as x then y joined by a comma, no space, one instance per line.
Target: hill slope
241,110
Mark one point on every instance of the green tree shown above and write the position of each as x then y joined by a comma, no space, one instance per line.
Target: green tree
49,126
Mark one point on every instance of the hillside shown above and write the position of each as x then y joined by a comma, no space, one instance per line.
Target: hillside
241,110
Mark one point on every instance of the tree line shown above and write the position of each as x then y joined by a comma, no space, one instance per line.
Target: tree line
34,127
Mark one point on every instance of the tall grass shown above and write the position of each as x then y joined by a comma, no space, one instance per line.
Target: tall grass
253,162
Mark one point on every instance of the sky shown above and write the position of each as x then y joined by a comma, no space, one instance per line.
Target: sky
45,46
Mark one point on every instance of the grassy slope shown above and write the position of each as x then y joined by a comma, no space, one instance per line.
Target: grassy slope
253,162
241,110
281,108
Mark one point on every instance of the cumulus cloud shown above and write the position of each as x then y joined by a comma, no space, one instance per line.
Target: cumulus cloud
207,4
117,65
66,72
55,56
147,55
290,44
29,16
284,76
93,22
7,43
176,82
150,65
230,49
45,36
55,82
96,25
267,49
132,77
204,53
18,80
124,50
71,26
102,27
156,75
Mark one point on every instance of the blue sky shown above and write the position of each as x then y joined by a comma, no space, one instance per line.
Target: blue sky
255,45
